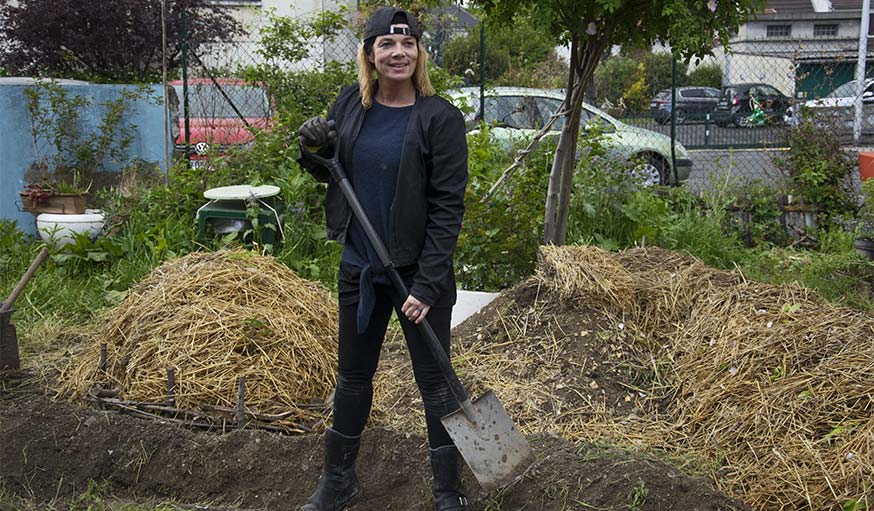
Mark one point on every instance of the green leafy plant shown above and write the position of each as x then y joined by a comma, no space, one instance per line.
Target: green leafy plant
637,496
498,243
862,223
66,157
818,169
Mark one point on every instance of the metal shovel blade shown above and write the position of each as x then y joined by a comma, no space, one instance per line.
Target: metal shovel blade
493,448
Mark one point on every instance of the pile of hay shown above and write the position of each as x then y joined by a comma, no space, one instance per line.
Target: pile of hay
215,317
770,379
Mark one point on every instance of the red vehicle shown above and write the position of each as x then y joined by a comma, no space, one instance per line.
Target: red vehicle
222,114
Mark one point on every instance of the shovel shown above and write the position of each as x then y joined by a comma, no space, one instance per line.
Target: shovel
484,434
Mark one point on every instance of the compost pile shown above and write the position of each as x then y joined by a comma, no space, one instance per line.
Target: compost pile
214,318
649,347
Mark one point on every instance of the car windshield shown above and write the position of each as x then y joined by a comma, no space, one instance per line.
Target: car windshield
521,111
205,100
846,90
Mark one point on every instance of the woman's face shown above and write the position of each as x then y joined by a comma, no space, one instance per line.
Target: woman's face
394,56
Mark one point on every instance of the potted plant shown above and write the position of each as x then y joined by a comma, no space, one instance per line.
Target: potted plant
863,223
67,155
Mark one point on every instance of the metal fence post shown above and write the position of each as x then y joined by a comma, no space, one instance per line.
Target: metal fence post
860,71
707,129
482,71
184,37
674,117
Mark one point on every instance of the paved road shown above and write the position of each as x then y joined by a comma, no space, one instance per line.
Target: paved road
714,168
698,134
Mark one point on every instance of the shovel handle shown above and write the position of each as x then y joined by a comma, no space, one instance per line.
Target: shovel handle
339,175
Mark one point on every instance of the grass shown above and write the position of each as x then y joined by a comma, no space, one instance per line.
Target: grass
95,497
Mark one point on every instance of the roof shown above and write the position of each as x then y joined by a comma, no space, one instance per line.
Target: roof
807,6
787,6
847,5
26,80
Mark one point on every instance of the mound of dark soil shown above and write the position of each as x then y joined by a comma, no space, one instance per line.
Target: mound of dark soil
51,450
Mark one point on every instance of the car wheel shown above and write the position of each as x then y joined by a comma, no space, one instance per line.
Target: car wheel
681,116
651,170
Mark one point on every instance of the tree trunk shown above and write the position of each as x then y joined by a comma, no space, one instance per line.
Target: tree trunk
590,55
567,168
550,222
584,59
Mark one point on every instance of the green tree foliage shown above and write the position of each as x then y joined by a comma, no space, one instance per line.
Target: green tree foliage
635,77
590,29
706,75
118,41
658,72
523,52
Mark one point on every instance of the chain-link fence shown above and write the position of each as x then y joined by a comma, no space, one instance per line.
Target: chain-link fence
230,89
731,118
739,126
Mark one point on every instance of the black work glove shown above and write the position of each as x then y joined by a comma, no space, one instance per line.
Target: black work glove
316,132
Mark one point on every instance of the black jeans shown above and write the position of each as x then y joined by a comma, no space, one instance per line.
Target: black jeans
358,356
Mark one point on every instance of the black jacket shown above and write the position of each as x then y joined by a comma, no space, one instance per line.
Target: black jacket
428,205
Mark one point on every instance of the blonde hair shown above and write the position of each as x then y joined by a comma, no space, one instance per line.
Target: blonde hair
366,74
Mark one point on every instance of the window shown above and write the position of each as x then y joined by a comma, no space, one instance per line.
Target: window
779,30
548,107
830,30
518,112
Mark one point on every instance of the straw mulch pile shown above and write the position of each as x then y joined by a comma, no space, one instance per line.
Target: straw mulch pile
770,379
215,317
652,348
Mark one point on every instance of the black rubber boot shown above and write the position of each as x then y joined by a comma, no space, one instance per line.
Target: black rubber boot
446,488
338,485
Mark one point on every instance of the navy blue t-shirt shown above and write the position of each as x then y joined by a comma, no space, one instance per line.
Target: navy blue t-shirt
376,158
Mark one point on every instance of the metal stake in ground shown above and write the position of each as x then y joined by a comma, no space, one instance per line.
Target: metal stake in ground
241,406
171,386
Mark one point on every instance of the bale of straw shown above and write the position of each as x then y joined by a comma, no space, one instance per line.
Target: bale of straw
215,317
583,274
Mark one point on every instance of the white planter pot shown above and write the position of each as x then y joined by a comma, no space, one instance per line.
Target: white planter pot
60,229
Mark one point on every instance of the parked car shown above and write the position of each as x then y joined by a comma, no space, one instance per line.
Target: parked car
222,114
838,107
692,103
517,113
737,103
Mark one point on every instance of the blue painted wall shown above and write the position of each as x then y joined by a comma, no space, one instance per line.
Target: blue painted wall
16,144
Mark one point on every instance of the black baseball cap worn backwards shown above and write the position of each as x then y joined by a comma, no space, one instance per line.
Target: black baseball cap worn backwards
380,23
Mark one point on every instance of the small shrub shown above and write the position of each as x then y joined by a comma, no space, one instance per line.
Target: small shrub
706,75
498,243
818,169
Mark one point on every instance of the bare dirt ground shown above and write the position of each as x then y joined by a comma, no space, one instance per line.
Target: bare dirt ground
50,449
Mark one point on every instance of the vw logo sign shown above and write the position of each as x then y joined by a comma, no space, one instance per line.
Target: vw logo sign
201,148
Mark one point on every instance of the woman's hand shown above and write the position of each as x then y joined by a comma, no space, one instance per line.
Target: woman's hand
414,309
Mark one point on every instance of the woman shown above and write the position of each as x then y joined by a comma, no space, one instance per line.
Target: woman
405,152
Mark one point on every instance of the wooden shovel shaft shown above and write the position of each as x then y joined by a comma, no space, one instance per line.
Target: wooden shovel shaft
24,279
433,342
